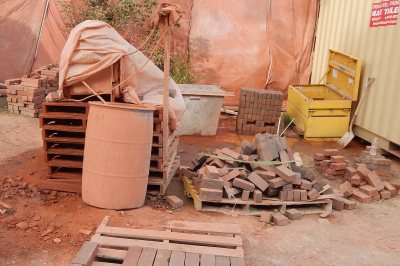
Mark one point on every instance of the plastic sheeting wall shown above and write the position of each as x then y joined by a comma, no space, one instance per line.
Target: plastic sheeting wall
236,44
344,25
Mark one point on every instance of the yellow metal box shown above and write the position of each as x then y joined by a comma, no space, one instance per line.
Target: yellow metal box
323,111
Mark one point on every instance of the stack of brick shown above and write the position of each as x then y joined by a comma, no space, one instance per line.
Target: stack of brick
365,186
259,111
25,95
377,163
331,164
245,175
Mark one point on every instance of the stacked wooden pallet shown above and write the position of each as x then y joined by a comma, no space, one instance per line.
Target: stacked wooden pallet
182,243
64,129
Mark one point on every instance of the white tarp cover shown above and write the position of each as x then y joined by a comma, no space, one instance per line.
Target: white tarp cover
94,45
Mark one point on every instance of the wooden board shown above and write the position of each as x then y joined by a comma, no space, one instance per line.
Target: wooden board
186,245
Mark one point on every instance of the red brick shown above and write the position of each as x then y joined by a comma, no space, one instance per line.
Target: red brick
290,195
338,159
334,172
349,204
356,180
313,194
277,182
266,175
390,187
320,157
243,184
257,196
338,203
305,184
331,152
265,216
376,197
223,171
231,175
293,214
362,170
346,189
283,195
245,195
338,166
174,201
258,181
287,187
211,171
369,190
374,180
303,195
230,153
349,172
385,194
215,183
280,219
296,195
209,194
360,196
286,174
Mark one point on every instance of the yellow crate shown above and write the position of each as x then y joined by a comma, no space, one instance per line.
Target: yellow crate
323,111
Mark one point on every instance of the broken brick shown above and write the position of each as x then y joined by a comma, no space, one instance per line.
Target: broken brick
174,201
360,196
257,196
280,219
374,180
258,181
243,184
346,189
293,214
265,216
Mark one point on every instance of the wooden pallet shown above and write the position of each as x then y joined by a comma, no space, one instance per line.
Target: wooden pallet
322,205
181,243
64,131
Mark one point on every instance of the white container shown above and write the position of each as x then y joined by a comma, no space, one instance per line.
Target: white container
203,107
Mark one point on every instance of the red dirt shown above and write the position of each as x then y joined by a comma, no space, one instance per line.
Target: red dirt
369,235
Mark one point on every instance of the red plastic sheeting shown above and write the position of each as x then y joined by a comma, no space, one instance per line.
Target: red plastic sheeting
20,22
233,45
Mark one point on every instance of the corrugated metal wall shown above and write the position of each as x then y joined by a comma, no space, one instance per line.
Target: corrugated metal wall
344,25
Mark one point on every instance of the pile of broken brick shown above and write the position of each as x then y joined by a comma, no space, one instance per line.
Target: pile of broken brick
246,176
361,183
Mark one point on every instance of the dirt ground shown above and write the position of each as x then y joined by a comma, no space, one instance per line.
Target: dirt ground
369,235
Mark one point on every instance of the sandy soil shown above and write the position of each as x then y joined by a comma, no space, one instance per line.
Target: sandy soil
369,235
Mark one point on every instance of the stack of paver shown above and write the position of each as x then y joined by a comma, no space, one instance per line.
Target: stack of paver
331,164
25,95
377,162
259,111
245,175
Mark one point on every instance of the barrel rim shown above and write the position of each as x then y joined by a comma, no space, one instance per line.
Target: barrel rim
130,106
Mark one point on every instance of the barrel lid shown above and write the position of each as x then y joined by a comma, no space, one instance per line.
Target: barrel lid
131,106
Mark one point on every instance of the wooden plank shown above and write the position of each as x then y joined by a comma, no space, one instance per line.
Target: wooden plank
124,242
226,241
146,258
199,227
100,263
86,254
111,254
65,163
177,258
207,260
132,256
237,261
162,257
59,186
65,139
192,259
67,128
65,151
65,175
64,115
222,261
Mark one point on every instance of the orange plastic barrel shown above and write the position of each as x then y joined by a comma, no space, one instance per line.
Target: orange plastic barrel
117,155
